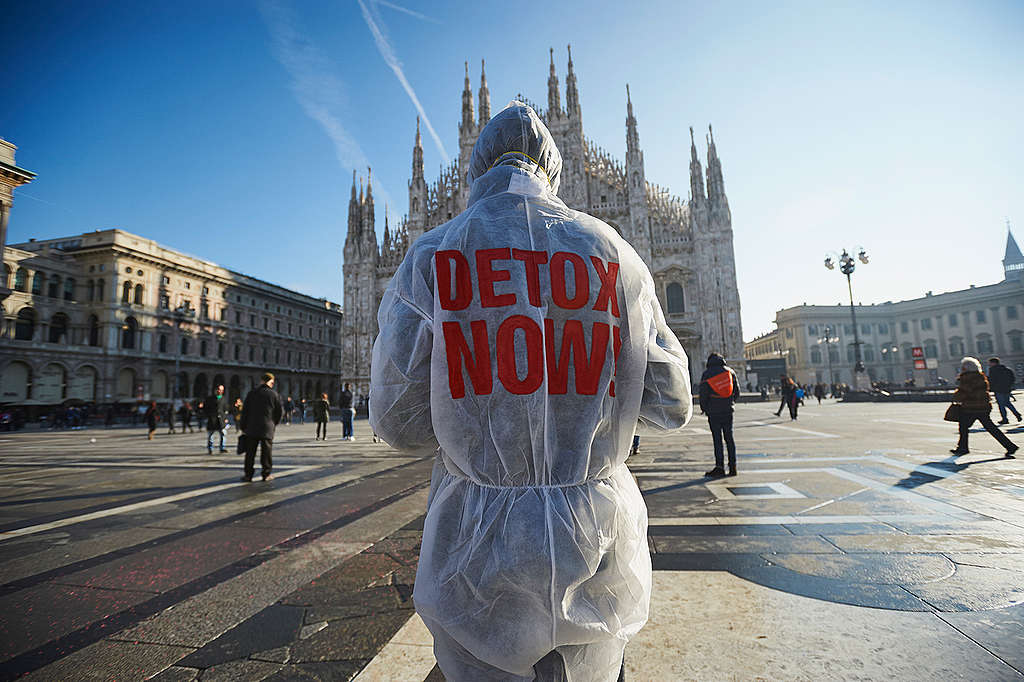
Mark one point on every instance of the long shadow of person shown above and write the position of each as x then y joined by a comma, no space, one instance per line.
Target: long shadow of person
951,464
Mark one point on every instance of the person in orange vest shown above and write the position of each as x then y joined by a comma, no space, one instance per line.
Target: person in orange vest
719,390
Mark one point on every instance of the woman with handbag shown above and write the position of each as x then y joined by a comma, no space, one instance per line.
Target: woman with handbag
971,402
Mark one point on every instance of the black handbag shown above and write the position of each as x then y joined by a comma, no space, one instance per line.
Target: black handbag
952,412
240,448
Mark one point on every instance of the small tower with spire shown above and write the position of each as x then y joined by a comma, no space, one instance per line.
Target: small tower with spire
554,98
572,97
484,98
716,186
417,190
1013,259
636,186
697,196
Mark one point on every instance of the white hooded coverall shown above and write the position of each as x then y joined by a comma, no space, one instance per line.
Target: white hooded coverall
524,343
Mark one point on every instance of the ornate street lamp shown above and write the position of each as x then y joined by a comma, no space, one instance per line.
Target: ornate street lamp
828,339
847,264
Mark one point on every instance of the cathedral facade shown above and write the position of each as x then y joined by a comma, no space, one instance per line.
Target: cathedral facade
687,244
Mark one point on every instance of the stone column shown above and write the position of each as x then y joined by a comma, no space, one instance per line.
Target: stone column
997,331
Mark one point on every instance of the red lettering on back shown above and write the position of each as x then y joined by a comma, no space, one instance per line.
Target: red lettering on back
587,370
463,294
506,352
532,260
457,351
607,292
581,290
486,275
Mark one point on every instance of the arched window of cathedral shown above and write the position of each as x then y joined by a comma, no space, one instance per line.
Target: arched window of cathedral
674,298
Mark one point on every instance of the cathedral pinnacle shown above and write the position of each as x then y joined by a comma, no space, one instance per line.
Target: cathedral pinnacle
696,174
485,97
572,98
369,186
353,184
716,186
632,136
467,105
417,155
554,99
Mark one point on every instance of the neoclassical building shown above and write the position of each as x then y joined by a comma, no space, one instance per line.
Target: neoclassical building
687,244
10,177
109,316
982,321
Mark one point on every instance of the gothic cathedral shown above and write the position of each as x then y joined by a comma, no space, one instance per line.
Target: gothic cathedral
687,245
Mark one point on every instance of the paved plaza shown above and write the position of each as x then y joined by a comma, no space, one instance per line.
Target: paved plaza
852,545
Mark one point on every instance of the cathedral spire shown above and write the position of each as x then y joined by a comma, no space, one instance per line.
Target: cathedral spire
369,185
554,99
417,154
696,174
387,231
716,186
485,97
467,105
361,196
572,97
632,136
353,185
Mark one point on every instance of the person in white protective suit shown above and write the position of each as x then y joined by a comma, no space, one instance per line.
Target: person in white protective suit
524,343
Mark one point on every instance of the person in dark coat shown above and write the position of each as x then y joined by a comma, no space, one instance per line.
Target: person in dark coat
261,413
718,391
789,398
348,413
1001,380
321,413
215,409
152,416
170,418
185,413
975,405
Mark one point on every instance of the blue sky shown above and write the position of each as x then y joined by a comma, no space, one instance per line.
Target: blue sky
229,130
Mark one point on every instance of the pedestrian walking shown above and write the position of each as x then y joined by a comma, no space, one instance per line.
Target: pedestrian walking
261,413
1001,380
789,399
534,560
717,394
185,414
348,413
302,410
974,405
170,418
151,417
236,413
215,410
819,392
288,408
321,413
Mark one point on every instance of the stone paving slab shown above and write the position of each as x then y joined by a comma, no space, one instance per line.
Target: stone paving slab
928,543
750,632
168,566
742,544
1000,631
39,614
109,660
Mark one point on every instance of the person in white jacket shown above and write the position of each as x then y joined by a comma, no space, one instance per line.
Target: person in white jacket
523,342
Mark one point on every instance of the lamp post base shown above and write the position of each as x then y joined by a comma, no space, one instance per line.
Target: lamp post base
861,381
